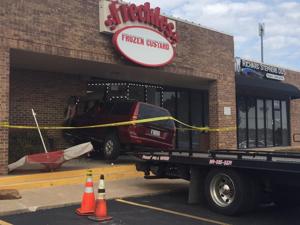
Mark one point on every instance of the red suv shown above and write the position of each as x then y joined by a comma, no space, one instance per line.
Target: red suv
113,140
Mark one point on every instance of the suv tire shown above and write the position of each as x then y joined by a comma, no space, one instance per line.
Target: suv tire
111,147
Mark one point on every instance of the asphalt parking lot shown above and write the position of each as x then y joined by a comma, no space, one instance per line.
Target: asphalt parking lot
163,209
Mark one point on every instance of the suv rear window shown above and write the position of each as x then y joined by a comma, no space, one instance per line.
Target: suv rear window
148,111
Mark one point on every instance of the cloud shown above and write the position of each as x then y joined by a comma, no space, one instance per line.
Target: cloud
241,18
289,5
281,42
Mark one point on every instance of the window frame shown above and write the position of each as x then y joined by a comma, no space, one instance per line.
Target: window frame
264,99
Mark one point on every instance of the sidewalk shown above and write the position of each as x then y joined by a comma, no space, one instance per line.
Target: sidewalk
59,196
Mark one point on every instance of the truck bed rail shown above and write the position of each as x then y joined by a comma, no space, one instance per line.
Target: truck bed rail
258,160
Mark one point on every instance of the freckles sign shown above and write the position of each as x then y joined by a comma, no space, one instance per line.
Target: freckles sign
141,33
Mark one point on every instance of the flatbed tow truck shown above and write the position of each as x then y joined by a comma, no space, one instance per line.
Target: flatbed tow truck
230,181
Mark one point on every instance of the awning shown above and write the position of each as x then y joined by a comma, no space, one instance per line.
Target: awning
264,87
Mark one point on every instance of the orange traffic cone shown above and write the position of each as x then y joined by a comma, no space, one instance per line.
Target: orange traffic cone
101,208
88,198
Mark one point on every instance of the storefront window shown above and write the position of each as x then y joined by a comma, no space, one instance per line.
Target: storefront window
127,91
260,123
189,106
170,102
277,123
154,96
196,118
285,132
118,91
137,93
251,105
269,123
183,135
264,123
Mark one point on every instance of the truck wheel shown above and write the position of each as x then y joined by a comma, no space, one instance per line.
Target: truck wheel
228,192
111,147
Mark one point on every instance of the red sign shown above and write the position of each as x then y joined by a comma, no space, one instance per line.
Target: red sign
122,13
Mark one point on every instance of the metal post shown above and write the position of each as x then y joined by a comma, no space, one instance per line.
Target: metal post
261,31
37,125
262,48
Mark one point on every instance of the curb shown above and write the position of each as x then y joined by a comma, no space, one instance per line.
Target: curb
44,180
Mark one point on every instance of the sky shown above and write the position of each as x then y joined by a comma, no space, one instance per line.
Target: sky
240,19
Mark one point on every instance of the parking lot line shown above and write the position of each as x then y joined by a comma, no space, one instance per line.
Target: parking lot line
4,223
172,212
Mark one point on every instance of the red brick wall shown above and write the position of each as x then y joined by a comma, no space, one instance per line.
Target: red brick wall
222,94
47,94
70,28
4,106
293,78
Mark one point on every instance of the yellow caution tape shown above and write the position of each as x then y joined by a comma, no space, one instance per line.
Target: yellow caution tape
190,127
125,123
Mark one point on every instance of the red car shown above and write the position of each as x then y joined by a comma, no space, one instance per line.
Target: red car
113,140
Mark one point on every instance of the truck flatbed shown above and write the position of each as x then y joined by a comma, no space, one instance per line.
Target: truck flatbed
258,160
231,181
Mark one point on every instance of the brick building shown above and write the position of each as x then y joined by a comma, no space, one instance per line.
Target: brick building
51,50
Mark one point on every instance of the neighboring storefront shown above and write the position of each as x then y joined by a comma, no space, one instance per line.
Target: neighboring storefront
50,51
263,105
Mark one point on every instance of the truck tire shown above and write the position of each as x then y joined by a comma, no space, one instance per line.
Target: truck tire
229,192
111,147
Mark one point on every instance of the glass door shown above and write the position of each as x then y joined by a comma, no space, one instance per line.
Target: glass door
169,102
284,121
251,105
154,95
197,118
190,107
269,123
277,123
260,105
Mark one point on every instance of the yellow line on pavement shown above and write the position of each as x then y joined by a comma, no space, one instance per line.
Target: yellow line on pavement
4,223
172,212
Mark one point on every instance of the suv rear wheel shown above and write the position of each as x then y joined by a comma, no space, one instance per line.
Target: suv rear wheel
111,147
